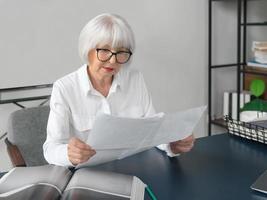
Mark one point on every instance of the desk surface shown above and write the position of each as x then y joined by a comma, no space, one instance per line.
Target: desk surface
218,167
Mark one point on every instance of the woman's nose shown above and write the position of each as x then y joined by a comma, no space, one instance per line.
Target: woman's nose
112,59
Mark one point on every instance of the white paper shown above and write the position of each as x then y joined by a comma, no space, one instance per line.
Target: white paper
116,137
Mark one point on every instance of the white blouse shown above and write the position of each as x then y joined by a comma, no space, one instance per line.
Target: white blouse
75,103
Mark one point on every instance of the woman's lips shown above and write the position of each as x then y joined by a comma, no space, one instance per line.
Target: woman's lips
110,69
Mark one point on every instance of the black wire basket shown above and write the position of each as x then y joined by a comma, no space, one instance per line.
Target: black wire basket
248,130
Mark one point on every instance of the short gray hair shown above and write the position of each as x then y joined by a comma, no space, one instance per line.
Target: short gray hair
105,29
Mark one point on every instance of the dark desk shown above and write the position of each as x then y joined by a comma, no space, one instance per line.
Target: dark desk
219,167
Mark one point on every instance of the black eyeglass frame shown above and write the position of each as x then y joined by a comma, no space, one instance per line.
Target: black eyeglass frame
113,53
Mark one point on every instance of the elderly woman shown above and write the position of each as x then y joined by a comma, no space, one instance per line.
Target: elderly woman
104,84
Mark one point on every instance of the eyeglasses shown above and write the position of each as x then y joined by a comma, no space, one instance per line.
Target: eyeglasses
105,55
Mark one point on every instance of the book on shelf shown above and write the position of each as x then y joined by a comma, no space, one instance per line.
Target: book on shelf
253,63
259,45
57,182
260,52
260,57
230,102
264,48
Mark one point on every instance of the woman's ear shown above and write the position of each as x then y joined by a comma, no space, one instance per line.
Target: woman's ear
90,56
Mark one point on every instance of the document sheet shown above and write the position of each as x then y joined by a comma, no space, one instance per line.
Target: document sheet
115,137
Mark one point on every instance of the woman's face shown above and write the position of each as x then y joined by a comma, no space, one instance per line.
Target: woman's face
103,69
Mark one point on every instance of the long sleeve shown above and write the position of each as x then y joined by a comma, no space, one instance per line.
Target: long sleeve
55,146
167,149
150,110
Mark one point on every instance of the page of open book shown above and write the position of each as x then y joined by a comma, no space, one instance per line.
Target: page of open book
116,137
27,182
88,183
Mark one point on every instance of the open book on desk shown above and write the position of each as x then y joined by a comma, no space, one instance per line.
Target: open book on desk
56,182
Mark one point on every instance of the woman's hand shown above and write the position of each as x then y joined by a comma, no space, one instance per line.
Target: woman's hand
182,146
78,151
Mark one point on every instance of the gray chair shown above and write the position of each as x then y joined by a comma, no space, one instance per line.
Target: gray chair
26,135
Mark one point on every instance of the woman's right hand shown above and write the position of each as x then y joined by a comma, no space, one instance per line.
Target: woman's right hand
78,151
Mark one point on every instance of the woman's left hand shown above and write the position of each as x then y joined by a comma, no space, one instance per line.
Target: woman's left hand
182,146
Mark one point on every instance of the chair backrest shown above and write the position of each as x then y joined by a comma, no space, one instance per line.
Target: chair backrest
27,130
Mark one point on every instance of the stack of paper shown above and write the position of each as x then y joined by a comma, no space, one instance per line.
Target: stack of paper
116,138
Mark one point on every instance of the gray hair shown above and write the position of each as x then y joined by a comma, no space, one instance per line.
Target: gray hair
105,29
